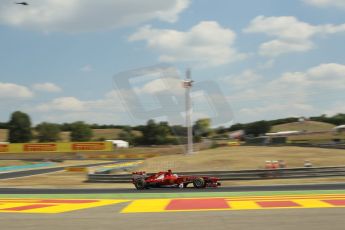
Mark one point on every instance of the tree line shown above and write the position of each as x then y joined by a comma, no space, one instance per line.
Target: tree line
20,130
260,127
152,133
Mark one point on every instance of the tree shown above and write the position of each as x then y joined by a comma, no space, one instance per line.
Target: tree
237,126
19,128
257,128
337,119
3,125
48,132
148,131
162,133
127,135
202,127
221,130
80,132
156,134
179,130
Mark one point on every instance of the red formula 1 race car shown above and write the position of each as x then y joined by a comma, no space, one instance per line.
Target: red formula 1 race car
167,179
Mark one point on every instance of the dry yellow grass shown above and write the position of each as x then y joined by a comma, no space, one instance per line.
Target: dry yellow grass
3,135
326,137
244,157
310,126
227,158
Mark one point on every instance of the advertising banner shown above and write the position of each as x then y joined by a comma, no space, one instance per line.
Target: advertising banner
67,147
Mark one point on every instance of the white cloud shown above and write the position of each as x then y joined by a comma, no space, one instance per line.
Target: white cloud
292,94
107,109
287,109
47,87
62,104
326,76
88,15
326,3
275,48
267,64
207,43
242,80
13,91
291,35
161,84
329,76
286,27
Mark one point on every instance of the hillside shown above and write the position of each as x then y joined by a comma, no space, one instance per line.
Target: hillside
323,131
309,126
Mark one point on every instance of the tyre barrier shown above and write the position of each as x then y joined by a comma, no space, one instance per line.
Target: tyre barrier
76,169
288,173
122,156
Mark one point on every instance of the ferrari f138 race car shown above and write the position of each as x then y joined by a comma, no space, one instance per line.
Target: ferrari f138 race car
167,179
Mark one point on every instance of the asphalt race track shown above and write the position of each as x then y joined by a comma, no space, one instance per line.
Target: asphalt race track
112,216
108,217
288,207
24,173
335,186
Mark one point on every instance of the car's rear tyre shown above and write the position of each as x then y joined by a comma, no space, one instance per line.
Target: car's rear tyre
199,183
140,184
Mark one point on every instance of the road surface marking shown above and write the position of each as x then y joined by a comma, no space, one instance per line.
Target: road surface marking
235,203
146,205
37,205
51,205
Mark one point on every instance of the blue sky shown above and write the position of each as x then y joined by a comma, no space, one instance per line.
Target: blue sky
270,59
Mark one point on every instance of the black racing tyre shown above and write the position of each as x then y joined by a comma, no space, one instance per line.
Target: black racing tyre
199,183
140,184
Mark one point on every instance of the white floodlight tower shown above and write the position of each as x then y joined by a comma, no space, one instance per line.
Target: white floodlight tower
187,84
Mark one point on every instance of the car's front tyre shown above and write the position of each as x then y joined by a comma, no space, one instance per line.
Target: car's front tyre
140,184
199,183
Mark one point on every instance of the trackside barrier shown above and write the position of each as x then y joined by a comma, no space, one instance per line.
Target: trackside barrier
289,173
68,147
127,166
122,156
